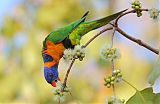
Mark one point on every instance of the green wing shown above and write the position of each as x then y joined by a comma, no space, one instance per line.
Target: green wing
88,26
60,34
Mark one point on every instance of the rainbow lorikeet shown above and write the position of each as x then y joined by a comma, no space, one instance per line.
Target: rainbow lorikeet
67,37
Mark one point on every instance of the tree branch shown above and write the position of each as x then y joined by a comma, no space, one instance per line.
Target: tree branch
66,77
138,41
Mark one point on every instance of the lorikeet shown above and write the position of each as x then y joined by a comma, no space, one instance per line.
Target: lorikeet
67,37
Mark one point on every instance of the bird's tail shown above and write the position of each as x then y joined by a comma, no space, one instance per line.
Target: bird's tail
91,25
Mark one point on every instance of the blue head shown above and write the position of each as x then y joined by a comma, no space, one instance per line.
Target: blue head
50,72
51,75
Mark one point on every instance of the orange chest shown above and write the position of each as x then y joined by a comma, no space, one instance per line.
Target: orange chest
55,51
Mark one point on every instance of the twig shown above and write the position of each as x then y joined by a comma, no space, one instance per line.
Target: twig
59,101
138,41
112,41
68,71
114,92
112,37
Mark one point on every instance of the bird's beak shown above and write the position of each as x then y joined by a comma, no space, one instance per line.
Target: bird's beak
54,83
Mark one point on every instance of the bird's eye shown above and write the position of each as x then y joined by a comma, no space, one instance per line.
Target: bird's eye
55,80
51,75
47,58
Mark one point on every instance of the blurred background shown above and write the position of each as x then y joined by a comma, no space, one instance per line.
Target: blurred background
24,24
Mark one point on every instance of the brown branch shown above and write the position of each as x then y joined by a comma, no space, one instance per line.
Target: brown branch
138,41
66,77
114,92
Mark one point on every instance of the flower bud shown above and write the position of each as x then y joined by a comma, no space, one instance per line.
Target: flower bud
112,78
108,85
112,82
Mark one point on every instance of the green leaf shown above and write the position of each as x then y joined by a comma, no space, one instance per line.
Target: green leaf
145,96
155,73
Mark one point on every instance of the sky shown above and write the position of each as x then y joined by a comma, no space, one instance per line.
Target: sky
6,6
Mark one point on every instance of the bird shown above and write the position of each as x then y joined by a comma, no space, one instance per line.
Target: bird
67,37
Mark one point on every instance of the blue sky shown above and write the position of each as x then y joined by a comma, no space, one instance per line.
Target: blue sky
6,6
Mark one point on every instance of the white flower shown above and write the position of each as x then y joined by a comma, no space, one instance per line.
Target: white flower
59,94
154,13
109,53
79,52
77,48
57,89
68,54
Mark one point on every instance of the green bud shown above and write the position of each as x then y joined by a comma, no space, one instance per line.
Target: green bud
114,71
76,57
112,82
107,51
110,101
133,6
80,58
136,7
78,53
108,80
112,78
83,55
119,75
108,85
118,71
109,55
137,3
139,14
61,94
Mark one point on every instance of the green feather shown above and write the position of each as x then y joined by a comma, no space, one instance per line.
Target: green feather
77,29
60,34
88,26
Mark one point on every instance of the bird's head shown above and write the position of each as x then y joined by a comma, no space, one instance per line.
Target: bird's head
51,75
50,70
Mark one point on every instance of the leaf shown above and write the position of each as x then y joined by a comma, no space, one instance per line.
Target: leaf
145,96
155,73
